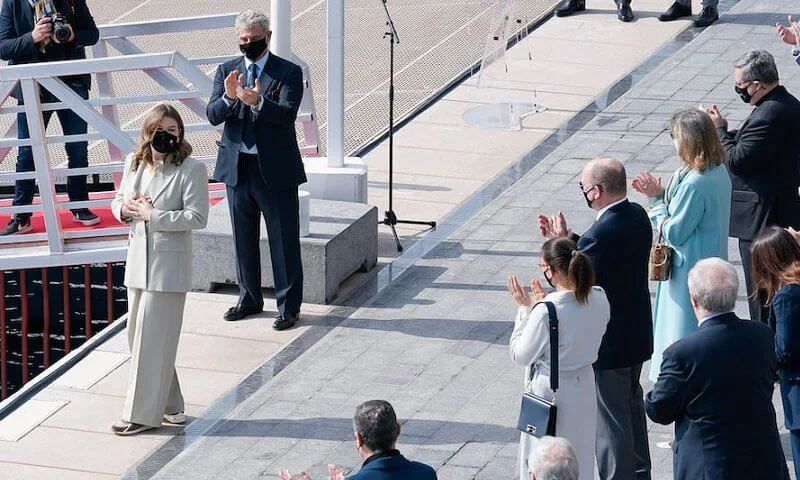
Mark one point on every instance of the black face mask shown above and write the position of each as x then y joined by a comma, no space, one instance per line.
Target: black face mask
164,142
254,49
549,279
743,94
586,196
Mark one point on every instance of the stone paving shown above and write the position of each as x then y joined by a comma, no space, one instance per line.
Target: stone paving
435,342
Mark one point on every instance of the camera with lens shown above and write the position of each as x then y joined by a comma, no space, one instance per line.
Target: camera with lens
61,30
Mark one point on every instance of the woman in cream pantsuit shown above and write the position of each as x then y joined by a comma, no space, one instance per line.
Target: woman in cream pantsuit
583,314
163,197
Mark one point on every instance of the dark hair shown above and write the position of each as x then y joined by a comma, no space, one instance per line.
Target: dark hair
376,422
563,255
776,261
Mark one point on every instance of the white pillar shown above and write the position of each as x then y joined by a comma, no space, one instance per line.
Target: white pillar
335,83
281,25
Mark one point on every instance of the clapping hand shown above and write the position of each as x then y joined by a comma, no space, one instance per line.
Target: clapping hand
286,475
553,226
791,33
518,293
716,117
794,233
334,473
249,95
648,185
231,84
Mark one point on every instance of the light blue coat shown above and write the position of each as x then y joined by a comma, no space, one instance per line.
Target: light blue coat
699,213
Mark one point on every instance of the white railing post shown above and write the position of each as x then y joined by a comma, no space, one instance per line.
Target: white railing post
41,161
335,83
105,87
281,18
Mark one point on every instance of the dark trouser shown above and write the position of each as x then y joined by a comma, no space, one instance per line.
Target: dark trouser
247,201
757,310
794,440
77,152
622,450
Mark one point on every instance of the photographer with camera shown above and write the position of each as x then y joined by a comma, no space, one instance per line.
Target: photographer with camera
33,31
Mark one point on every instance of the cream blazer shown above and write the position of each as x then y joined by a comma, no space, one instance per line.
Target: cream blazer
160,251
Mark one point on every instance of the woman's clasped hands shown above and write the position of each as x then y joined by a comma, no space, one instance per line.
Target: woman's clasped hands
138,207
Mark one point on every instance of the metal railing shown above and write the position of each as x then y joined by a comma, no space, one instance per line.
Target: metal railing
180,79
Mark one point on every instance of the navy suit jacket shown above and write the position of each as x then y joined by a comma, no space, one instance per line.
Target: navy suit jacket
16,39
784,315
276,140
396,467
619,246
716,385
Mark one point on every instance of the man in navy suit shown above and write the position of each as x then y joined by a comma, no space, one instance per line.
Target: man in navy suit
24,40
376,432
716,386
618,243
257,97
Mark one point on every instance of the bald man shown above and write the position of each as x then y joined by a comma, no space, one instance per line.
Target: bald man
618,242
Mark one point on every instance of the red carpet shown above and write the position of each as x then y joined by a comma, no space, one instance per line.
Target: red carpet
107,219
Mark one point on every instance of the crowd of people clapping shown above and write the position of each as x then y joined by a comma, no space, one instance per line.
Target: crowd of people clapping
714,373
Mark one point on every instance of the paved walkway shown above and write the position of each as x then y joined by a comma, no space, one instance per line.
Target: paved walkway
434,343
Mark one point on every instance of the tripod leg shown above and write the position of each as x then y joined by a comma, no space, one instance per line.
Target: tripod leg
396,238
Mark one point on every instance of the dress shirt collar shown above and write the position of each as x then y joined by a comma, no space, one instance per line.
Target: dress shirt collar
260,63
608,207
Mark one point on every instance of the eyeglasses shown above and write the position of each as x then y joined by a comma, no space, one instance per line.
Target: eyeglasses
580,184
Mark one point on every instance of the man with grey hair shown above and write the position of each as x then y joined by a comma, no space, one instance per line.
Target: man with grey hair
257,97
553,458
618,243
375,431
762,158
716,386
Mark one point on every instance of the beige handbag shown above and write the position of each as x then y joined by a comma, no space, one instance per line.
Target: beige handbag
660,262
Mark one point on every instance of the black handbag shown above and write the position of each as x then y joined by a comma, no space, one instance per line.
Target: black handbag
537,415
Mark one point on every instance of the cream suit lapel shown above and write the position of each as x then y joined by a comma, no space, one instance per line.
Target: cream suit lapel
162,178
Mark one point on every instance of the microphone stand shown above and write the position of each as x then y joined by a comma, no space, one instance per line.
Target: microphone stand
390,217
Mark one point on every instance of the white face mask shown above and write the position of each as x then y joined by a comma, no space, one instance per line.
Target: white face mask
677,145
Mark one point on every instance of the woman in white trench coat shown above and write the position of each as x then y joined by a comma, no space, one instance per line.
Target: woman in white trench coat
583,313
163,197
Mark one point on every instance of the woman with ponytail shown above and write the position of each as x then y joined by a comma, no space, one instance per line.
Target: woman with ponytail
583,313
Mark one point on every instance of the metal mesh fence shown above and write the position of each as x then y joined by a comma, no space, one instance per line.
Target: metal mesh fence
439,40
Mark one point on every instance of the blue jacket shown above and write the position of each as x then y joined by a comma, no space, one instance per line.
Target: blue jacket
276,140
784,318
716,385
619,246
396,467
697,228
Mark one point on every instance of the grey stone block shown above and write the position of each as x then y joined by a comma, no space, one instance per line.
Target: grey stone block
343,240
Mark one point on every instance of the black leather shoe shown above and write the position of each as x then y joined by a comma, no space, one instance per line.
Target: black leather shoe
570,7
708,16
285,322
239,312
624,12
675,11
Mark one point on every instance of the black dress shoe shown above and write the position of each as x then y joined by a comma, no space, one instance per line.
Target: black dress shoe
285,322
624,12
708,16
676,11
570,7
239,312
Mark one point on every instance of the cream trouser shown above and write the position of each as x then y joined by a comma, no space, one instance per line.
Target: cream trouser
154,326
